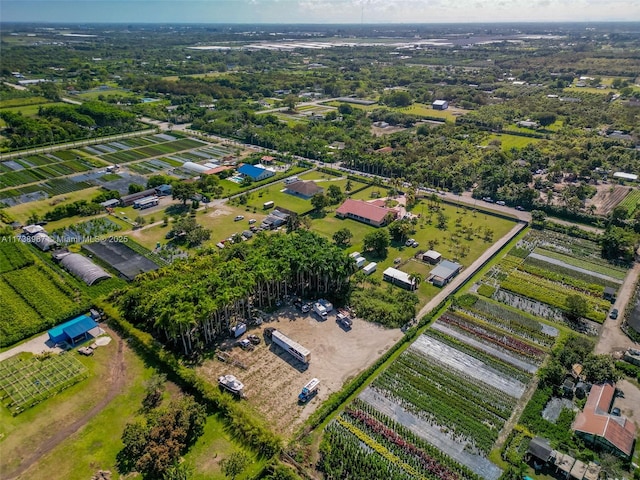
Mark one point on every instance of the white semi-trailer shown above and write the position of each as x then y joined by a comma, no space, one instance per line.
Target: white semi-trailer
294,348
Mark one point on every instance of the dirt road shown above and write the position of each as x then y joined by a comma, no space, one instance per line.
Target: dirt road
612,339
116,383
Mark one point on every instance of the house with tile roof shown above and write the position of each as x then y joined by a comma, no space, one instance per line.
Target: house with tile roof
366,212
598,427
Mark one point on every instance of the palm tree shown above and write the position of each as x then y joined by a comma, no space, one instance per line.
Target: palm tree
416,279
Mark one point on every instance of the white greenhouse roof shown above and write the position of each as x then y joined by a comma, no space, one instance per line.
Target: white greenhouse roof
83,268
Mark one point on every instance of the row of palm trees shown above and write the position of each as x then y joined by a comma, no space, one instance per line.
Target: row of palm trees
194,302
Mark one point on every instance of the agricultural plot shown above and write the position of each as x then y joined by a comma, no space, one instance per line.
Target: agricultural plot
33,298
545,268
630,201
13,255
25,382
155,150
608,197
363,440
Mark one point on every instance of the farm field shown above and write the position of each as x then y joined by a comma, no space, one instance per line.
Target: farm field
609,197
449,394
545,268
630,201
33,296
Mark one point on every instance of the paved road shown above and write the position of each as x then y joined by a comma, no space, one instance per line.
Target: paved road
612,339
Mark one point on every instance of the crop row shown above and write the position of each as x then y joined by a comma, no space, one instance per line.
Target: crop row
20,177
552,294
594,264
17,319
148,151
457,382
511,320
344,455
446,406
488,359
577,247
630,202
13,255
403,443
563,274
489,334
45,296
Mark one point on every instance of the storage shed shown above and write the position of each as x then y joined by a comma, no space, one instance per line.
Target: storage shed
443,273
73,330
432,257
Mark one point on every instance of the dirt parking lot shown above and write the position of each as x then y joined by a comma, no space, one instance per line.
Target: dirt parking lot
273,379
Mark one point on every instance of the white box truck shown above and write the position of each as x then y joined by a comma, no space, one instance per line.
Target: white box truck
309,390
320,310
326,304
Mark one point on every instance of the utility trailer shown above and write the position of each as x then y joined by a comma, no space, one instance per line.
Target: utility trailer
295,349
309,390
343,317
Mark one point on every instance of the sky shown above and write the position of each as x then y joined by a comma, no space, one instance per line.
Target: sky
317,11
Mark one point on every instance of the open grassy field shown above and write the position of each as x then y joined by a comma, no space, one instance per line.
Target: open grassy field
24,210
423,110
91,448
19,102
29,110
174,78
425,232
94,94
511,141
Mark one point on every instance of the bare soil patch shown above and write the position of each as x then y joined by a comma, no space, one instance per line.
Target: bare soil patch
377,131
273,379
607,197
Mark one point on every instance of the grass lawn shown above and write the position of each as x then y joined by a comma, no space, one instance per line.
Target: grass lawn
511,141
24,210
354,105
18,102
601,91
93,447
93,95
424,233
29,110
423,110
212,447
281,199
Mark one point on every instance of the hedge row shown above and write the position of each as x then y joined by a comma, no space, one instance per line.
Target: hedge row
572,231
241,423
335,400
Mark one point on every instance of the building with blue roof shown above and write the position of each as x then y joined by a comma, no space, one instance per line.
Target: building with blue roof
255,173
72,330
